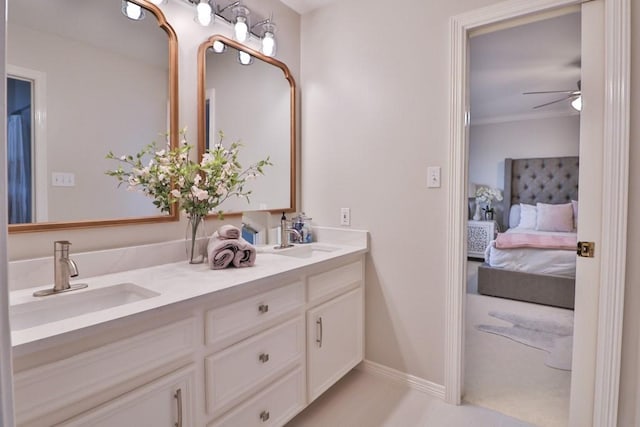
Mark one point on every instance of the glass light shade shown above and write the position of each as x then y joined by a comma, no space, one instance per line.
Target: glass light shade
269,39
241,29
241,23
132,10
577,103
204,13
244,58
158,2
219,47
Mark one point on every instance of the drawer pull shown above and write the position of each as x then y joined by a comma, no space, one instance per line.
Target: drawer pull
264,416
263,308
264,357
178,397
319,335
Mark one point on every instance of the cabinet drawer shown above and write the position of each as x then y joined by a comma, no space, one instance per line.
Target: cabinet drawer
240,319
272,407
167,401
49,387
332,282
236,372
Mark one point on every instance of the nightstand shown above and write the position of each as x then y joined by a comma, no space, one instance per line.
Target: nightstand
479,234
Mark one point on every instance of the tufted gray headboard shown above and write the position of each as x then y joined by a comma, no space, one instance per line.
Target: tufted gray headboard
550,180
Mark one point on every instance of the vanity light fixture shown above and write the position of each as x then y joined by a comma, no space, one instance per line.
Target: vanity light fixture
244,58
132,10
237,14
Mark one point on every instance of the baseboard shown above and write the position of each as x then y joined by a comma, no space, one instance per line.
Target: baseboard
411,381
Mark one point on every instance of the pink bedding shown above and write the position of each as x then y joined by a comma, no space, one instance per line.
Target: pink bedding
530,240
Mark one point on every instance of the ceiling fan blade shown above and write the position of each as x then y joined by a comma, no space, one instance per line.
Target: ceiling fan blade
552,102
549,91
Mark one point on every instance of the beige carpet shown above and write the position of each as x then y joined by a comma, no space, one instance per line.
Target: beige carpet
510,377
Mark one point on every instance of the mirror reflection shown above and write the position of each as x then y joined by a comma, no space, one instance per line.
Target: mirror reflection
252,101
83,79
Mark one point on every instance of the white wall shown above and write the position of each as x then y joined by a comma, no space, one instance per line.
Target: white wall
490,144
180,15
375,115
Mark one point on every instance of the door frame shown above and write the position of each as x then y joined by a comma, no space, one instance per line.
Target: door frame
612,247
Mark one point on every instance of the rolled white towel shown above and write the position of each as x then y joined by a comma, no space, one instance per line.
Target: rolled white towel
229,231
221,252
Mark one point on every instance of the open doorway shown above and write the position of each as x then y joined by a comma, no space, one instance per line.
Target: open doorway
523,168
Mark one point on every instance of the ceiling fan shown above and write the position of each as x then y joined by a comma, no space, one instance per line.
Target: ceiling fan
574,96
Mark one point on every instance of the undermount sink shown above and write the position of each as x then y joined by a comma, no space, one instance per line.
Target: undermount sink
63,306
305,250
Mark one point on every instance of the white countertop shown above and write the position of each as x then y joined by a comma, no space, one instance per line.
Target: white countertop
177,282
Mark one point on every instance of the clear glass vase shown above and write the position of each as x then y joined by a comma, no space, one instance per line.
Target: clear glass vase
196,239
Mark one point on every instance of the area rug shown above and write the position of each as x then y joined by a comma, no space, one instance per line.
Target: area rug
553,335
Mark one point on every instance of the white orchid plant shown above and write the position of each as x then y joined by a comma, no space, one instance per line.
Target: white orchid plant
487,195
169,175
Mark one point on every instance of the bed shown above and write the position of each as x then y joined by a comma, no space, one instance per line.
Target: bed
537,275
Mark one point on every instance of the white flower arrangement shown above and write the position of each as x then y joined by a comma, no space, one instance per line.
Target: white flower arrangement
487,195
170,176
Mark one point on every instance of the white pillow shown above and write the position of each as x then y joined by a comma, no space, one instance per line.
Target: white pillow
528,216
555,217
514,216
574,205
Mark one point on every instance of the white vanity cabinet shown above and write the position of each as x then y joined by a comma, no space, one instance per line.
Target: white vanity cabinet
335,326
255,354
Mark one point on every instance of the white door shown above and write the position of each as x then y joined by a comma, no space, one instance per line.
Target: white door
589,214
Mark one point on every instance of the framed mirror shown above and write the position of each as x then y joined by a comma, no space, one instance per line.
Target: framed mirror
83,80
255,104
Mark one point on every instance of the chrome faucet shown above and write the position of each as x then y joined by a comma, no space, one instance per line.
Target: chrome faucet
286,228
63,268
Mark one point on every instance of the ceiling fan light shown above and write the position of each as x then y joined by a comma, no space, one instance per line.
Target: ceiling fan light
577,103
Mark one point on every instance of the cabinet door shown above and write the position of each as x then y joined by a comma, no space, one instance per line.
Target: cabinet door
335,340
164,402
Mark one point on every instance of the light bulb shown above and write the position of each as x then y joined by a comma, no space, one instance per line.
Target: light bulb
268,44
244,57
219,47
203,13
577,103
132,11
241,28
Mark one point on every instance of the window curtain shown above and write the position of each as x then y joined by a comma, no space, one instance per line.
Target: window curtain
19,172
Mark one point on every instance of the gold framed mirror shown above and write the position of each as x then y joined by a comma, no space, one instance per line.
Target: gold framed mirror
256,104
90,89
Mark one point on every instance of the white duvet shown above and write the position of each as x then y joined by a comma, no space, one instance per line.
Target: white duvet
532,260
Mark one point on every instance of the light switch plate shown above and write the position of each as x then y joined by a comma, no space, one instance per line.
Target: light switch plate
345,216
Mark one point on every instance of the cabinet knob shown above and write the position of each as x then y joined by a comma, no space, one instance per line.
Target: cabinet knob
264,357
263,308
264,416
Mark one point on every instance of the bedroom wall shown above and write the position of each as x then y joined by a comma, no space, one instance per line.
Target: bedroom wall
490,144
190,35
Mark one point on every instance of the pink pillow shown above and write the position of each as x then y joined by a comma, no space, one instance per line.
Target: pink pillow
554,217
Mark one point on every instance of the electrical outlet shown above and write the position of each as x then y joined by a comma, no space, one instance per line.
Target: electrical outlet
345,216
433,177
63,179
